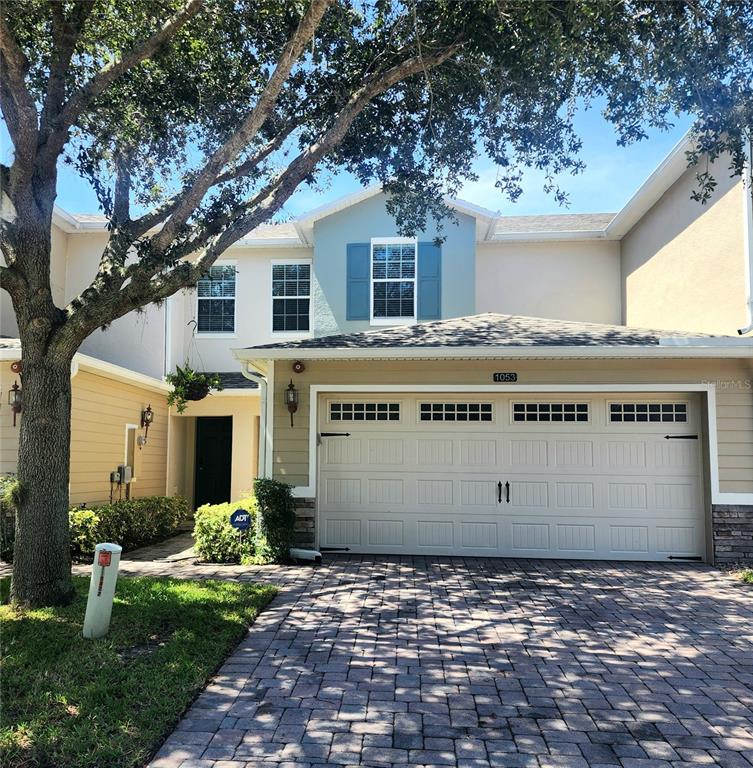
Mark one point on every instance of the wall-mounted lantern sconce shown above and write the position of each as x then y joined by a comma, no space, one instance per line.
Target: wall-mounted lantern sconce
147,418
15,401
291,400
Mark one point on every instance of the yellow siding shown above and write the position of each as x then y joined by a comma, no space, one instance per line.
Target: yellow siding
733,379
102,407
8,433
683,262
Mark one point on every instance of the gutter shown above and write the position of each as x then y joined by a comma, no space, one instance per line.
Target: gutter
669,348
748,239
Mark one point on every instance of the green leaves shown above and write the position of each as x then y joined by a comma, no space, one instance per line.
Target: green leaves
188,384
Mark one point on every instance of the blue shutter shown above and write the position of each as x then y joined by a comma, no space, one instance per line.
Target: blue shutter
429,282
358,274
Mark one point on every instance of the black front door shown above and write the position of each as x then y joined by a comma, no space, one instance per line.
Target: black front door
214,453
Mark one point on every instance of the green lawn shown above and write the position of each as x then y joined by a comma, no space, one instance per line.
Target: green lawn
74,703
747,575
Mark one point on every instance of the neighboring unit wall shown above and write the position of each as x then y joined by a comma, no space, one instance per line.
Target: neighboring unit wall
558,280
135,341
369,219
102,407
734,402
683,262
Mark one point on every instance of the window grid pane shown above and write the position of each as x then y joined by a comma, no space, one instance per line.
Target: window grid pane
672,413
456,412
393,280
364,411
291,297
216,304
550,412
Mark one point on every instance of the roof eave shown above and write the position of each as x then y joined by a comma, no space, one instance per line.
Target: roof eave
501,352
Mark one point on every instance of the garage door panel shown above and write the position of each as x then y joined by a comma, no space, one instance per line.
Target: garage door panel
590,490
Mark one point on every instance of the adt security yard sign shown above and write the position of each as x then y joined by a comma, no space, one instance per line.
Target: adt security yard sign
240,520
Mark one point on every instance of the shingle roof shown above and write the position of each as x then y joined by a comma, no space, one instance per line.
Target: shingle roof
488,330
559,222
235,380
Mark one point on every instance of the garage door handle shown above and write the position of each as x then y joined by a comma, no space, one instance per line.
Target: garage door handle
507,492
334,434
499,492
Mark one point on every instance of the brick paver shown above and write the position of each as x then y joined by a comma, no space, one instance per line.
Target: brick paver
480,663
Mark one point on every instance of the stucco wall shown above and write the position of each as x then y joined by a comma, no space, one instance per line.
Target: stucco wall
253,318
559,280
101,409
683,262
135,341
733,380
363,221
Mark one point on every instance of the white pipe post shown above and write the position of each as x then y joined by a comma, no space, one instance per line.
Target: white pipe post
101,590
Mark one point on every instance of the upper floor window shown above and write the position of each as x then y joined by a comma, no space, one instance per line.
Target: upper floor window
393,280
216,310
291,297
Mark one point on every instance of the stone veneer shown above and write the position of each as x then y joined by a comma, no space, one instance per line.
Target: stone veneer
732,526
733,534
305,523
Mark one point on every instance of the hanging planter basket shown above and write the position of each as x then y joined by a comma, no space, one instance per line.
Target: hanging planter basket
197,390
190,385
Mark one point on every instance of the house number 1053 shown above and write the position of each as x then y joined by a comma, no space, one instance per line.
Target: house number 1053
499,378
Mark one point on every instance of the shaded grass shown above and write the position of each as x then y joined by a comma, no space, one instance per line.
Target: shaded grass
746,575
75,703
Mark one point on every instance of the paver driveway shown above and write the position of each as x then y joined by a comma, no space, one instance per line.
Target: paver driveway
471,662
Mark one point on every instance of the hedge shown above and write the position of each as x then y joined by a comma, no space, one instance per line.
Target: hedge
133,523
275,521
216,541
269,538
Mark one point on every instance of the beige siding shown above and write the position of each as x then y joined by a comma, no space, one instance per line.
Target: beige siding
683,263
733,379
559,280
8,433
244,410
102,407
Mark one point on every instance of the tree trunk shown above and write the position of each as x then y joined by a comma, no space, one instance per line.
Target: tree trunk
41,558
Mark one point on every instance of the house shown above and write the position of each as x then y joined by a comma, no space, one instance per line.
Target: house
539,386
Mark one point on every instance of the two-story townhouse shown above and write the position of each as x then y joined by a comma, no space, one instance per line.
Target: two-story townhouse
491,394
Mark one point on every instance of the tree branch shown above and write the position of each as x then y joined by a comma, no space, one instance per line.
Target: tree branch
18,106
81,98
206,178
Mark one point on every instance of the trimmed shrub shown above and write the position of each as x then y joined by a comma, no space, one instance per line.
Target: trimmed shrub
9,489
275,521
216,541
131,523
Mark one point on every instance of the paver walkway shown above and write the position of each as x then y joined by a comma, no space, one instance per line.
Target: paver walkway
474,663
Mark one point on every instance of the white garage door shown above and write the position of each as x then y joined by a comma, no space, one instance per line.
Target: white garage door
589,476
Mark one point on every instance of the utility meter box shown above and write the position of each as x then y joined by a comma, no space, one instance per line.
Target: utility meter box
101,590
126,473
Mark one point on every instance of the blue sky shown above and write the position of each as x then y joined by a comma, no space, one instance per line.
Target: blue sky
611,177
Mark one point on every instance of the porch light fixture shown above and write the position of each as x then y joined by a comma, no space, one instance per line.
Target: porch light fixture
291,400
147,418
14,400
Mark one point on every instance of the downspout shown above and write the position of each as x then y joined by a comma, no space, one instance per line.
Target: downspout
748,238
262,382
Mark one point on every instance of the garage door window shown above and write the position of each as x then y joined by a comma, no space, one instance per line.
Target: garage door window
648,412
456,412
550,412
364,411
